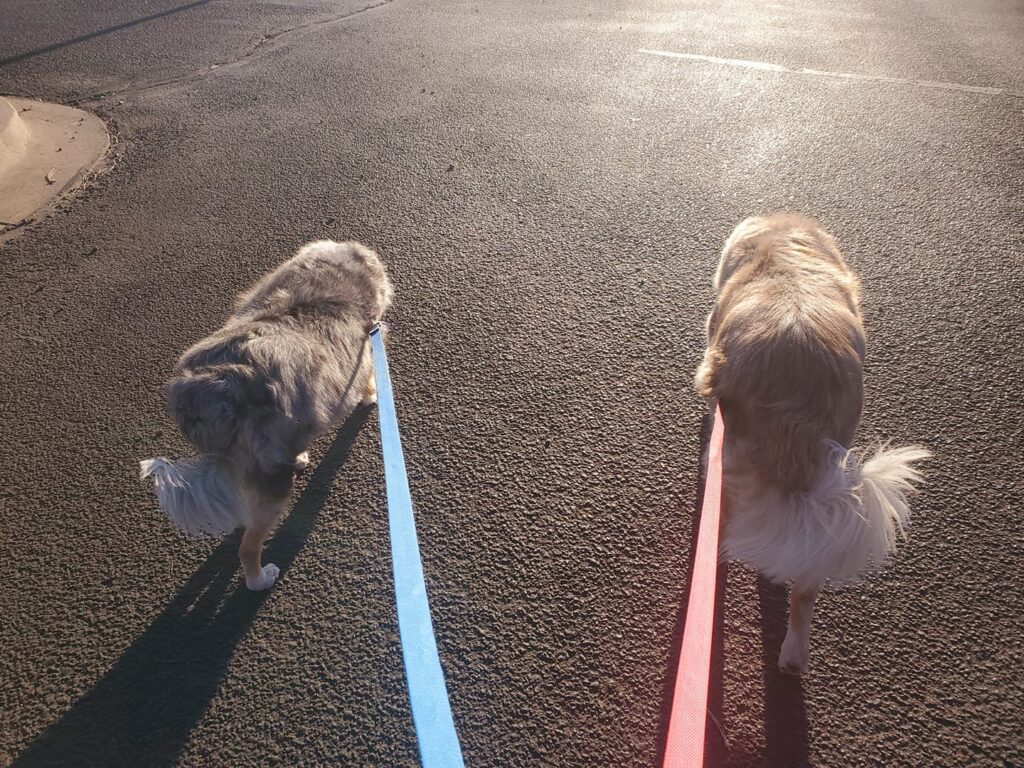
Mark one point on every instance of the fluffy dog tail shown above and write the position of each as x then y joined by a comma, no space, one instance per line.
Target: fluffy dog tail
199,495
886,479
864,507
848,524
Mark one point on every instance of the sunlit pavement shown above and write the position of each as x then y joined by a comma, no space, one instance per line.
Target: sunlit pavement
550,184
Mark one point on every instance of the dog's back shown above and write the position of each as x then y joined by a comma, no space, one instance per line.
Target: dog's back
324,278
785,346
290,361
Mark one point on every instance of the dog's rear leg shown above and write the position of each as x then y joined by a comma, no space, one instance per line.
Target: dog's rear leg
257,577
370,393
267,497
796,647
265,512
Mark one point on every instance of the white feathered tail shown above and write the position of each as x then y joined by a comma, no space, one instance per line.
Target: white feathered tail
847,525
198,494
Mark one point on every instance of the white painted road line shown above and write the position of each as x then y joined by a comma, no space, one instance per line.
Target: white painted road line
768,66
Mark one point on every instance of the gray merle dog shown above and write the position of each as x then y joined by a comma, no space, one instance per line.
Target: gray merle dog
292,361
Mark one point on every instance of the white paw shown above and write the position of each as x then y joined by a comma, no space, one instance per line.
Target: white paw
370,398
793,657
266,579
302,461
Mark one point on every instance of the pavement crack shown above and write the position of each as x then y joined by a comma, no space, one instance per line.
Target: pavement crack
268,42
274,40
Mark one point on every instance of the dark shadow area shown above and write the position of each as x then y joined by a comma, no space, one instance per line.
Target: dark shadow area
143,710
716,742
99,33
785,714
714,738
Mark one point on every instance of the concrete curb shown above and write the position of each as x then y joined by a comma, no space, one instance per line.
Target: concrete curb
45,151
14,136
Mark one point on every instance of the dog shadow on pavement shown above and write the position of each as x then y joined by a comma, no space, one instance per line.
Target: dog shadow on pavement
785,714
785,726
142,712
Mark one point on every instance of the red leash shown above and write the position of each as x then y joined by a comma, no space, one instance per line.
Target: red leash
684,747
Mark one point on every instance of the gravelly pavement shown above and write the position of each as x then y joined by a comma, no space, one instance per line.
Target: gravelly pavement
550,201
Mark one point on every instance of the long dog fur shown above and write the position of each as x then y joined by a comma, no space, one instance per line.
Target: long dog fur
784,361
292,361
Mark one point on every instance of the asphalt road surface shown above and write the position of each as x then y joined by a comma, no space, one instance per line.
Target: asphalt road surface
550,191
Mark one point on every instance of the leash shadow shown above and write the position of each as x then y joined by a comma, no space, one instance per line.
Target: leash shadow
143,710
714,739
785,710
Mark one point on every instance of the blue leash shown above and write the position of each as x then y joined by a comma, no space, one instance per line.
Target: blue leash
428,696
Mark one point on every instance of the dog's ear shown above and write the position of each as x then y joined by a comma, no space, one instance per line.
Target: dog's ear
706,379
385,294
206,407
366,268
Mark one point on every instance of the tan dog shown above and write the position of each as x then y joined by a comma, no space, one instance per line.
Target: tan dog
785,348
292,361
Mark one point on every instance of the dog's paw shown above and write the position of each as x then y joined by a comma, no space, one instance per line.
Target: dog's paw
369,399
794,656
268,575
302,461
